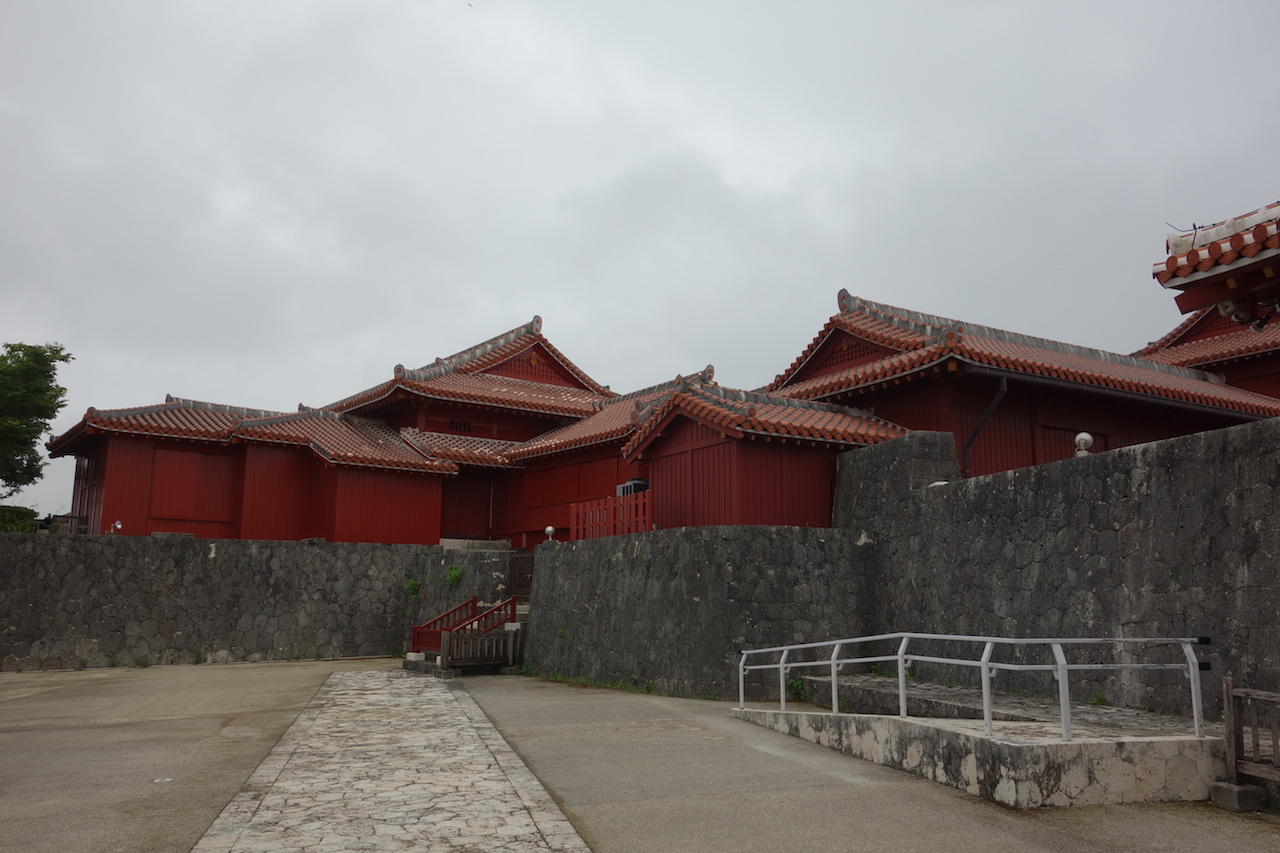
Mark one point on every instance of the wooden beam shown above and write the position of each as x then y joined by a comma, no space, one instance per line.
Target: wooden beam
1258,771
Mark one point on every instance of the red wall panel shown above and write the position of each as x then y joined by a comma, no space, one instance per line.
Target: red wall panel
127,485
384,506
784,484
699,478
278,496
691,476
467,504
543,495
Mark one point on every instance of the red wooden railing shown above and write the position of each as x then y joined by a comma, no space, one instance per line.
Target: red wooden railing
483,623
611,516
474,642
426,637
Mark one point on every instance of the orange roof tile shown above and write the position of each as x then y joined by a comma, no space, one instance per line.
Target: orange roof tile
1202,350
925,341
463,449
176,418
613,422
461,377
1235,241
343,439
747,414
506,392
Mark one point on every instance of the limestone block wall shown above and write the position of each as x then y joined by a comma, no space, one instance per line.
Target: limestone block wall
1172,538
92,601
672,608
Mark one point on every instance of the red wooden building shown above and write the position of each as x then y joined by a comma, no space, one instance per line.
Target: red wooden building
509,437
499,441
1011,400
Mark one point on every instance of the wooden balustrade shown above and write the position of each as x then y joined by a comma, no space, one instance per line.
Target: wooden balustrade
1259,712
611,516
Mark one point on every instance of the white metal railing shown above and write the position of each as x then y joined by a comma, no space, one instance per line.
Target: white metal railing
1060,668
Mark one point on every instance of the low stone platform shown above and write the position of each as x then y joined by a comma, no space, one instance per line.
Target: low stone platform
1024,764
1116,755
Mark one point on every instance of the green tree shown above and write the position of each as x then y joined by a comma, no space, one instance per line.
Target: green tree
30,397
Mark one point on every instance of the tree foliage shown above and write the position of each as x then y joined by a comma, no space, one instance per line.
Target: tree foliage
30,397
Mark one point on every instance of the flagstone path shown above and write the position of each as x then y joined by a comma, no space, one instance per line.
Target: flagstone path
391,761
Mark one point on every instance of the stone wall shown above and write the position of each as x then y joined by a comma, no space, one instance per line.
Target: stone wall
1173,538
1166,539
672,608
75,601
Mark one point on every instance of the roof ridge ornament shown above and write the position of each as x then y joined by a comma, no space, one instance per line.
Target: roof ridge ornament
952,335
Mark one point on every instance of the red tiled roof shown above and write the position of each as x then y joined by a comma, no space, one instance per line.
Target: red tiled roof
1220,245
926,341
343,439
613,422
176,418
747,413
464,449
1177,332
461,377
1239,343
509,393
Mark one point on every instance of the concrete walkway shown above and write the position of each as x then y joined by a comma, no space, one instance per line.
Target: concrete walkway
147,760
654,774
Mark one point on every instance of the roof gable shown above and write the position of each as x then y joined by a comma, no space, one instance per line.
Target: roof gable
926,342
536,364
614,422
1208,338
519,369
747,414
838,350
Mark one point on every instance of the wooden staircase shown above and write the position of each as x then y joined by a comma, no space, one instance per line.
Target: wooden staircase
468,637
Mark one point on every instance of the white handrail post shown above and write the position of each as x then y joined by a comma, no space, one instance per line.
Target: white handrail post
835,695
742,677
1064,690
902,676
1193,675
986,687
782,680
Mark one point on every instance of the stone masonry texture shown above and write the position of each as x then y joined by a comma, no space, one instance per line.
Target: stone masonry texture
95,601
1174,538
671,609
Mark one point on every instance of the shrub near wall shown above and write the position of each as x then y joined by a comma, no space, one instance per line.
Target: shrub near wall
75,601
671,609
451,576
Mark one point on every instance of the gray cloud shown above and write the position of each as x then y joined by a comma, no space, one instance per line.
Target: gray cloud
272,204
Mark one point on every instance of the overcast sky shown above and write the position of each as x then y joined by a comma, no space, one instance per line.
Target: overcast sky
264,204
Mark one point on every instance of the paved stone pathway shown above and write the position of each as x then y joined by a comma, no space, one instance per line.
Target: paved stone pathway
391,761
